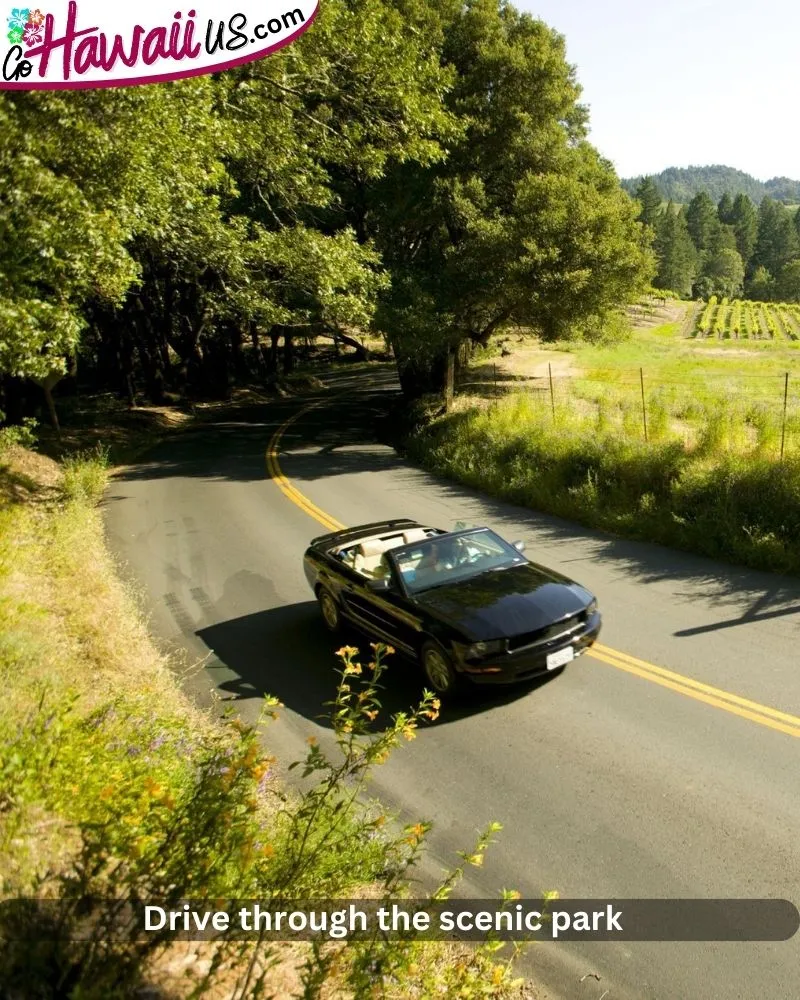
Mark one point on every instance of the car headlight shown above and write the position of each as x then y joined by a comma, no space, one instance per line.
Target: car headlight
591,607
479,650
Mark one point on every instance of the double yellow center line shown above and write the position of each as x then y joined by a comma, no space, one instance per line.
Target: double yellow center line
782,722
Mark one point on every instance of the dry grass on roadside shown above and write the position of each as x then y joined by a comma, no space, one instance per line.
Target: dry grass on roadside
101,754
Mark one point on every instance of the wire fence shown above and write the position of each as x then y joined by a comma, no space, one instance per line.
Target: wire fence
750,397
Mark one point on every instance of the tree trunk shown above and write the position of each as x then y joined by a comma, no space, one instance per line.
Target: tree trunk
274,337
450,379
47,384
258,353
423,376
51,408
288,352
148,356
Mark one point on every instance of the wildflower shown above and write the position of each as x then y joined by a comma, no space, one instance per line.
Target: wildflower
372,716
409,732
353,668
152,787
346,651
312,741
415,834
476,860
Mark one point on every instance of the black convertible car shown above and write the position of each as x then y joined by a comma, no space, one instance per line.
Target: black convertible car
467,604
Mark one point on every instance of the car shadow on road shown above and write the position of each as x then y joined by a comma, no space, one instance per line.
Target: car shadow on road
286,652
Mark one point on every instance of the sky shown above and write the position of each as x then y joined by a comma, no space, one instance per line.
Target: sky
686,82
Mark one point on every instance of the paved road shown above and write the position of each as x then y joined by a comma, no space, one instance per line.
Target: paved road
608,784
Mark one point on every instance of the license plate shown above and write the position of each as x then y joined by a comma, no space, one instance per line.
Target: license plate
563,656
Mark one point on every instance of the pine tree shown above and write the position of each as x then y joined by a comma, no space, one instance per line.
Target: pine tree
744,220
677,257
725,210
702,220
777,241
649,197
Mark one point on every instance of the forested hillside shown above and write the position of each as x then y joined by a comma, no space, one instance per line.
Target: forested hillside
419,167
681,184
727,249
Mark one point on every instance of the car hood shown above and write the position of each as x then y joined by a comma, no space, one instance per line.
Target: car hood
506,602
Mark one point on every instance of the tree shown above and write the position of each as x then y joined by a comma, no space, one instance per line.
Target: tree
649,198
761,286
777,241
788,283
725,270
725,210
524,222
676,254
702,220
744,219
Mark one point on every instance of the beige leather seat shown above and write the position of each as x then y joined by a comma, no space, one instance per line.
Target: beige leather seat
369,558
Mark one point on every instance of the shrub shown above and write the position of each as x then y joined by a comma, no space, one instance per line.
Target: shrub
85,475
724,497
22,435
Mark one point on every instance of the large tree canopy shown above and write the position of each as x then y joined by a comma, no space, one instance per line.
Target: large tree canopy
419,165
523,222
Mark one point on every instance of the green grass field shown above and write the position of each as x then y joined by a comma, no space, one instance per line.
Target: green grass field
663,437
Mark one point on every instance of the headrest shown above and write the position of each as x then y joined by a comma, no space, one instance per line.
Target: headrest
375,547
414,535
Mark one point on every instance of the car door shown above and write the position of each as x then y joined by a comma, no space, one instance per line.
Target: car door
388,614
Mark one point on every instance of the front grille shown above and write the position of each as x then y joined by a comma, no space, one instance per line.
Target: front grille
544,635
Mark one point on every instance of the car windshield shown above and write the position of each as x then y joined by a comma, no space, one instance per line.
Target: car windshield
451,559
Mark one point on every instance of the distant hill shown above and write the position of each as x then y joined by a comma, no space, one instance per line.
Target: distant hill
681,184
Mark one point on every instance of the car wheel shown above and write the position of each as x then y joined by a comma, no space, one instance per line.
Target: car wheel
438,668
330,610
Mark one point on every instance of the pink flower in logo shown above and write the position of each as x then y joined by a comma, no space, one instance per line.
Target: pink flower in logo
33,34
36,18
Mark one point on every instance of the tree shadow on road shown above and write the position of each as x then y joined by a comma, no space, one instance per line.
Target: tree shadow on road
286,652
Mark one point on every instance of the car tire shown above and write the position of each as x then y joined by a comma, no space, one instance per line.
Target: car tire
329,610
440,674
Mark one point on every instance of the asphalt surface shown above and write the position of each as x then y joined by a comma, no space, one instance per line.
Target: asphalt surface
608,785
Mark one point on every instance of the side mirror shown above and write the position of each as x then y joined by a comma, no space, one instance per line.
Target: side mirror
379,586
519,546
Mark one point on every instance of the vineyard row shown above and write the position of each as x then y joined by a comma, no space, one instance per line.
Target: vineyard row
742,319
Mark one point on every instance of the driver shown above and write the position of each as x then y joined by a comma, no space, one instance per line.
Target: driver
440,555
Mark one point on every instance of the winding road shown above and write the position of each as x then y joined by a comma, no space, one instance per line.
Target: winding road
666,765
